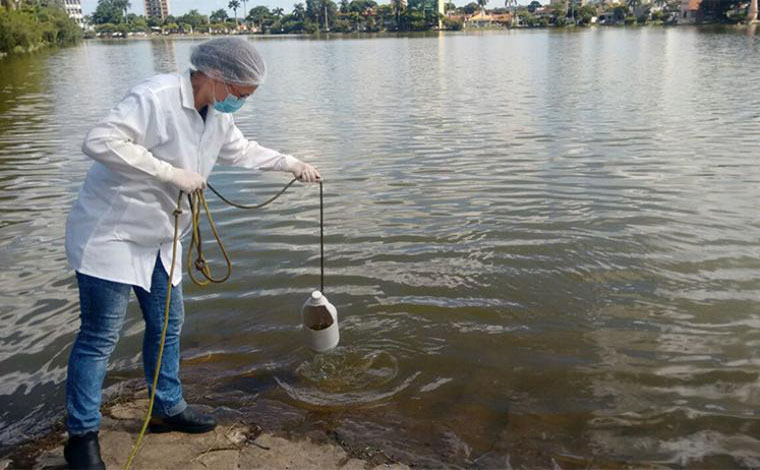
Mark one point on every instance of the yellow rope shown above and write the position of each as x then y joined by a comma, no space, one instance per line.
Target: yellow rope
136,447
197,199
196,244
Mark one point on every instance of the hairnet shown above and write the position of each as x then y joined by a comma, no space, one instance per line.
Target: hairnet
231,60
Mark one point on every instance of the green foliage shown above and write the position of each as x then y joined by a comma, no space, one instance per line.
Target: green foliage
219,16
342,25
585,13
138,24
452,24
559,10
107,28
19,31
534,5
310,27
110,11
260,16
194,19
620,12
34,26
471,8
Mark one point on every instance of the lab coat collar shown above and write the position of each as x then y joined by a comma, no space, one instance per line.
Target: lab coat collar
186,89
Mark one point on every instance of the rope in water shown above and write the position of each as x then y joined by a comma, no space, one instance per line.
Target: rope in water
197,201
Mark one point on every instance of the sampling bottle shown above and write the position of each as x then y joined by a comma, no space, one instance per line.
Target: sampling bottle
320,323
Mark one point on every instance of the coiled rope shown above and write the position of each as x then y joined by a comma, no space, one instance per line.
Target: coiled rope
197,201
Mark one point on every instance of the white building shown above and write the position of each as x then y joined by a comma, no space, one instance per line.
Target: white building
74,10
157,9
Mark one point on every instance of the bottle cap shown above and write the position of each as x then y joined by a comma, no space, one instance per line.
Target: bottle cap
316,295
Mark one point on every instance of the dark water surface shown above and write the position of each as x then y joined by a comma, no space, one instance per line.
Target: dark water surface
544,246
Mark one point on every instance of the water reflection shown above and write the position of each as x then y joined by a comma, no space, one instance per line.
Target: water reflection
164,56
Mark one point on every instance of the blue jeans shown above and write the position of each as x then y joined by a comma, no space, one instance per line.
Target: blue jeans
103,306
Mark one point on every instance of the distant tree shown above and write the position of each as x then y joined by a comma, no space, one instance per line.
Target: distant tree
234,5
108,11
470,8
585,13
385,15
278,12
122,5
105,27
449,6
534,5
299,12
559,10
137,23
619,12
362,6
398,9
219,16
482,4
259,16
512,5
194,19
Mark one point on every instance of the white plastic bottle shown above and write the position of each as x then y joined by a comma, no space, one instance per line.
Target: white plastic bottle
319,319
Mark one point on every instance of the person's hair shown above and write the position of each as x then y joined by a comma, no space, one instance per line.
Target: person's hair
231,60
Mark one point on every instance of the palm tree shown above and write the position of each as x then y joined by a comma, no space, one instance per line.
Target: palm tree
122,5
483,4
299,11
278,12
245,11
398,5
234,5
513,4
752,15
324,8
126,5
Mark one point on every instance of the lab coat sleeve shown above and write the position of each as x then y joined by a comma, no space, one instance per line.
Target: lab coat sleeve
121,140
239,151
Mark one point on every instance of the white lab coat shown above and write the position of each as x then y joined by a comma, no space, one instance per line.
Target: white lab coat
123,216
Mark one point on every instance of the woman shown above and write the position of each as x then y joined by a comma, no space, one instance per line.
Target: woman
164,137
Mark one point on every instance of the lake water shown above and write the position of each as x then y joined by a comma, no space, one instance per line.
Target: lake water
544,246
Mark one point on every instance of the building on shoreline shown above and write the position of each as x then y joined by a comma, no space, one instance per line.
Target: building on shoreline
157,9
689,11
438,6
74,10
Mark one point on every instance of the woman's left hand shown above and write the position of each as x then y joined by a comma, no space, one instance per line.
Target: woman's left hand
306,173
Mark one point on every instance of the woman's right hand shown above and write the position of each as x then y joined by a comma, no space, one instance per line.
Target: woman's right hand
187,181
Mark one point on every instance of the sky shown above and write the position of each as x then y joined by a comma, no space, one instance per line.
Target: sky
180,7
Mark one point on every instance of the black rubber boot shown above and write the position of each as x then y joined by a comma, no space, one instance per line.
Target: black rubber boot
83,452
188,421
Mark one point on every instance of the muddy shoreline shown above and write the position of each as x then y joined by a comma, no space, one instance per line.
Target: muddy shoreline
238,442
